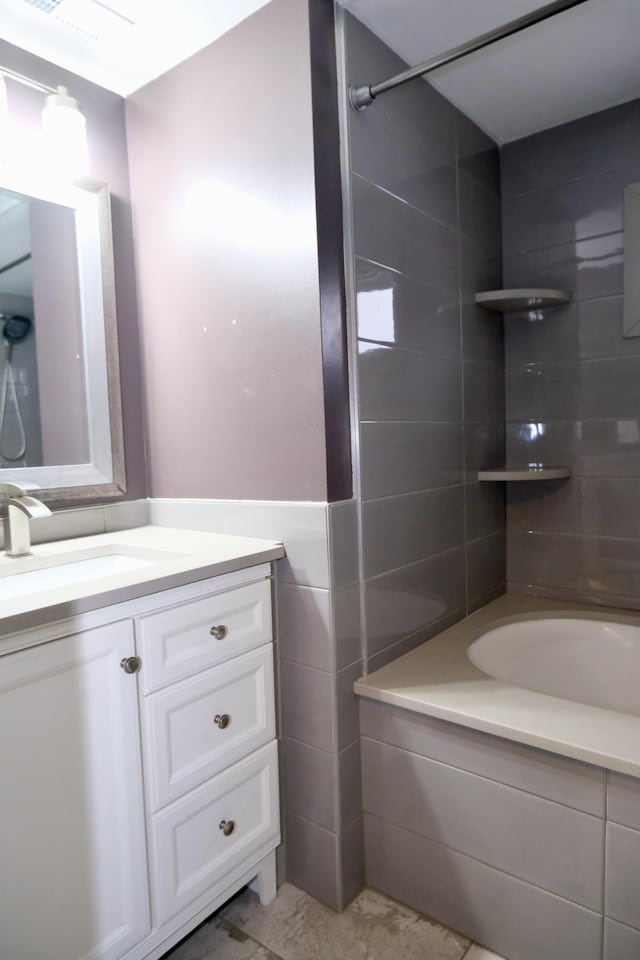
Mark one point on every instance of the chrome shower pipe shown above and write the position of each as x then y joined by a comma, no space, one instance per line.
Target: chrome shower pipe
361,96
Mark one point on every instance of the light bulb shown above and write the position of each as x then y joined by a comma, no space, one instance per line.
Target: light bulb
65,136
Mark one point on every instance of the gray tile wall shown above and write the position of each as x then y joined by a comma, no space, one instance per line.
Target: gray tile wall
320,659
317,602
426,235
572,380
532,854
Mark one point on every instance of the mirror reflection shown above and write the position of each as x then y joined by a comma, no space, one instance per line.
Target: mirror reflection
43,418
60,406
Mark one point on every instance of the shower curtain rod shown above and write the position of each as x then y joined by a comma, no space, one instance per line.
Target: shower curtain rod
361,96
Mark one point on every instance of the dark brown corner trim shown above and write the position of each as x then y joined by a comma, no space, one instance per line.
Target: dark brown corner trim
333,313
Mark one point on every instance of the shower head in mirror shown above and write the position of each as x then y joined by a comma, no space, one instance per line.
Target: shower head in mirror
15,328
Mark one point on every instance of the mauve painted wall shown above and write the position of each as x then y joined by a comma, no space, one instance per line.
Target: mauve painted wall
108,161
222,172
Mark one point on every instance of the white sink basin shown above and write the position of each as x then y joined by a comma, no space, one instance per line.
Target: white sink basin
32,575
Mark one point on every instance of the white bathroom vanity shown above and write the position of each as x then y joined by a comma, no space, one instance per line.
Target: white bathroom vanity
137,739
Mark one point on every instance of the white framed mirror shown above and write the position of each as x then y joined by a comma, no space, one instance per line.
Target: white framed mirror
60,404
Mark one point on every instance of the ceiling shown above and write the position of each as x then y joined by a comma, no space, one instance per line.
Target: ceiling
119,44
576,63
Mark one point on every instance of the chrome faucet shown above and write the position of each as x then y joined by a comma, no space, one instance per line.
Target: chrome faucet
18,508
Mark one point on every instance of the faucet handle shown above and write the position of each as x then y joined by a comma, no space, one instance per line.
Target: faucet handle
17,489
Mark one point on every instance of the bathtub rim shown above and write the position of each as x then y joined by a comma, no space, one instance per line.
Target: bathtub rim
455,690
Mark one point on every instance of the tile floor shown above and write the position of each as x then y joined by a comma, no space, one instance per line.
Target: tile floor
297,927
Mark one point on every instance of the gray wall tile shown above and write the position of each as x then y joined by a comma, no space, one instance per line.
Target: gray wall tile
561,850
399,457
584,505
304,626
409,599
479,213
478,155
482,330
599,448
587,390
312,860
547,775
348,721
585,330
399,310
622,875
343,543
397,384
483,392
307,705
400,647
604,141
310,783
513,918
623,800
484,505
351,861
576,566
413,171
572,379
395,234
423,246
484,445
620,942
364,52
486,562
350,776
346,625
401,530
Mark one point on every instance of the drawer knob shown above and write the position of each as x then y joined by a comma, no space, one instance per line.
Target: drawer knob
219,632
130,664
222,720
227,827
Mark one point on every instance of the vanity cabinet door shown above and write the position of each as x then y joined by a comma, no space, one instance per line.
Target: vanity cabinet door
73,882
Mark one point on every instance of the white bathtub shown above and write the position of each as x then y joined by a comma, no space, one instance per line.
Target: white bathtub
563,677
590,661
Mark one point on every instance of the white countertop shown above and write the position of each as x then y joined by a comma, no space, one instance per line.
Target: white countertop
438,680
180,557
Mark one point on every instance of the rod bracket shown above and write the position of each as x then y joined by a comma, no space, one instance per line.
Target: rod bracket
360,97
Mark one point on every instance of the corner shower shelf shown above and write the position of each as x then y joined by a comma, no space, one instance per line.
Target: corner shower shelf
526,473
527,298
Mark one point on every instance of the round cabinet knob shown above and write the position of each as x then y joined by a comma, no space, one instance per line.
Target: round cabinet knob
219,632
222,720
130,664
227,827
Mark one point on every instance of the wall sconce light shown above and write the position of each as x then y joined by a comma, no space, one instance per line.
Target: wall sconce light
65,133
63,127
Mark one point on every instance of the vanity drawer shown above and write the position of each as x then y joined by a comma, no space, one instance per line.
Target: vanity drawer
196,728
193,855
179,642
